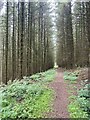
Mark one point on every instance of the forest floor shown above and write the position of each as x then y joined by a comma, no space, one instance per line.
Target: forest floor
64,89
61,97
54,93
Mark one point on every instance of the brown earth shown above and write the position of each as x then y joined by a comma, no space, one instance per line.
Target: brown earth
61,97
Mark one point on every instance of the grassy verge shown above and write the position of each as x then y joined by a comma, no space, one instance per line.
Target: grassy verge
79,106
28,98
46,76
72,77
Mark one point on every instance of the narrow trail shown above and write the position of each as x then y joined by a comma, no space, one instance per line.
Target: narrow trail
61,97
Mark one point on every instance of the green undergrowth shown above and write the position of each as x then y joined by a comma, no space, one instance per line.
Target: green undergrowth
79,106
72,77
46,76
28,98
75,111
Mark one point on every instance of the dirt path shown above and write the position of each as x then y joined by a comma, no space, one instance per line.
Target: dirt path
61,97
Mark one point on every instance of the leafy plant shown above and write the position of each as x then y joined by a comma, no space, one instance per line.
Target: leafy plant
80,105
35,100
46,76
84,98
83,93
70,76
76,111
37,77
49,75
21,99
84,103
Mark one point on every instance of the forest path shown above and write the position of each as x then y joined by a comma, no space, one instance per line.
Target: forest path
61,97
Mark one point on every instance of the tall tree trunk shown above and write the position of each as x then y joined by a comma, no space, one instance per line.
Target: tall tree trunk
21,41
13,46
6,44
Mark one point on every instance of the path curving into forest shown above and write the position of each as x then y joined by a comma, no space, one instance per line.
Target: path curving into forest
61,97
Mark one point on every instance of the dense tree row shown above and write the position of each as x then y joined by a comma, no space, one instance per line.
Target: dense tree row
73,37
26,39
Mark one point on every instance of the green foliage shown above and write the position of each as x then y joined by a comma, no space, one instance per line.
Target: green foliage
76,111
49,75
17,104
84,98
83,93
41,105
80,105
72,97
70,76
37,77
30,107
23,99
46,76
84,103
